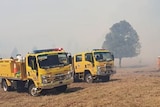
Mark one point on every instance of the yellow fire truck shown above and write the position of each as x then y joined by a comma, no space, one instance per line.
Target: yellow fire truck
42,69
97,64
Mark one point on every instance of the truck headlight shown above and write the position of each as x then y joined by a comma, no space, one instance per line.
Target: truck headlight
46,79
98,68
69,75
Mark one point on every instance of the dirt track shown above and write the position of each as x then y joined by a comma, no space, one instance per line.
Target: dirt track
130,87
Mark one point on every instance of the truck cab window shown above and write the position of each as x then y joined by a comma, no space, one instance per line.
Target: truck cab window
32,62
103,56
78,58
88,57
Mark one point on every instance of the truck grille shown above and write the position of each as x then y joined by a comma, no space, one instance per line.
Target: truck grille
59,77
106,68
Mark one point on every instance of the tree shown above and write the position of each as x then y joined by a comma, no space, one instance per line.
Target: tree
122,40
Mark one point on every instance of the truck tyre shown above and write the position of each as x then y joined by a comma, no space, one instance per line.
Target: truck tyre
5,86
33,90
105,78
61,88
88,78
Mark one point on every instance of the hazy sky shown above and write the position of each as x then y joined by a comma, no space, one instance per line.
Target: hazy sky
75,25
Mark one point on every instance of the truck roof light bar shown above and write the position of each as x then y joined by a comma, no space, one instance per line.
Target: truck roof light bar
47,50
98,49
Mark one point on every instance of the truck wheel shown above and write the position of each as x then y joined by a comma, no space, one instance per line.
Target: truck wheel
61,88
33,90
105,78
5,86
88,78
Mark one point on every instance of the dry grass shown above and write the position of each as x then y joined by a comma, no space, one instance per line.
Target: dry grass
130,87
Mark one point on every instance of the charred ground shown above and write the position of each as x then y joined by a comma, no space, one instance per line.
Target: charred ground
130,87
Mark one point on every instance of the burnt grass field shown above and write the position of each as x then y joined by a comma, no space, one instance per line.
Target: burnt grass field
129,87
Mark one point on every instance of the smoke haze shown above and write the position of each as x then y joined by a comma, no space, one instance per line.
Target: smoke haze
76,25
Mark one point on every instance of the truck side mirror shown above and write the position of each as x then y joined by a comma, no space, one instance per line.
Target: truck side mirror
70,59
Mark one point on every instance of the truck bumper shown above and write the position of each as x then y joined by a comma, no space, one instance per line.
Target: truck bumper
104,73
56,84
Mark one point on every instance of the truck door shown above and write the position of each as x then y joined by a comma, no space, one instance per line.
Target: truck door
32,69
89,64
78,63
